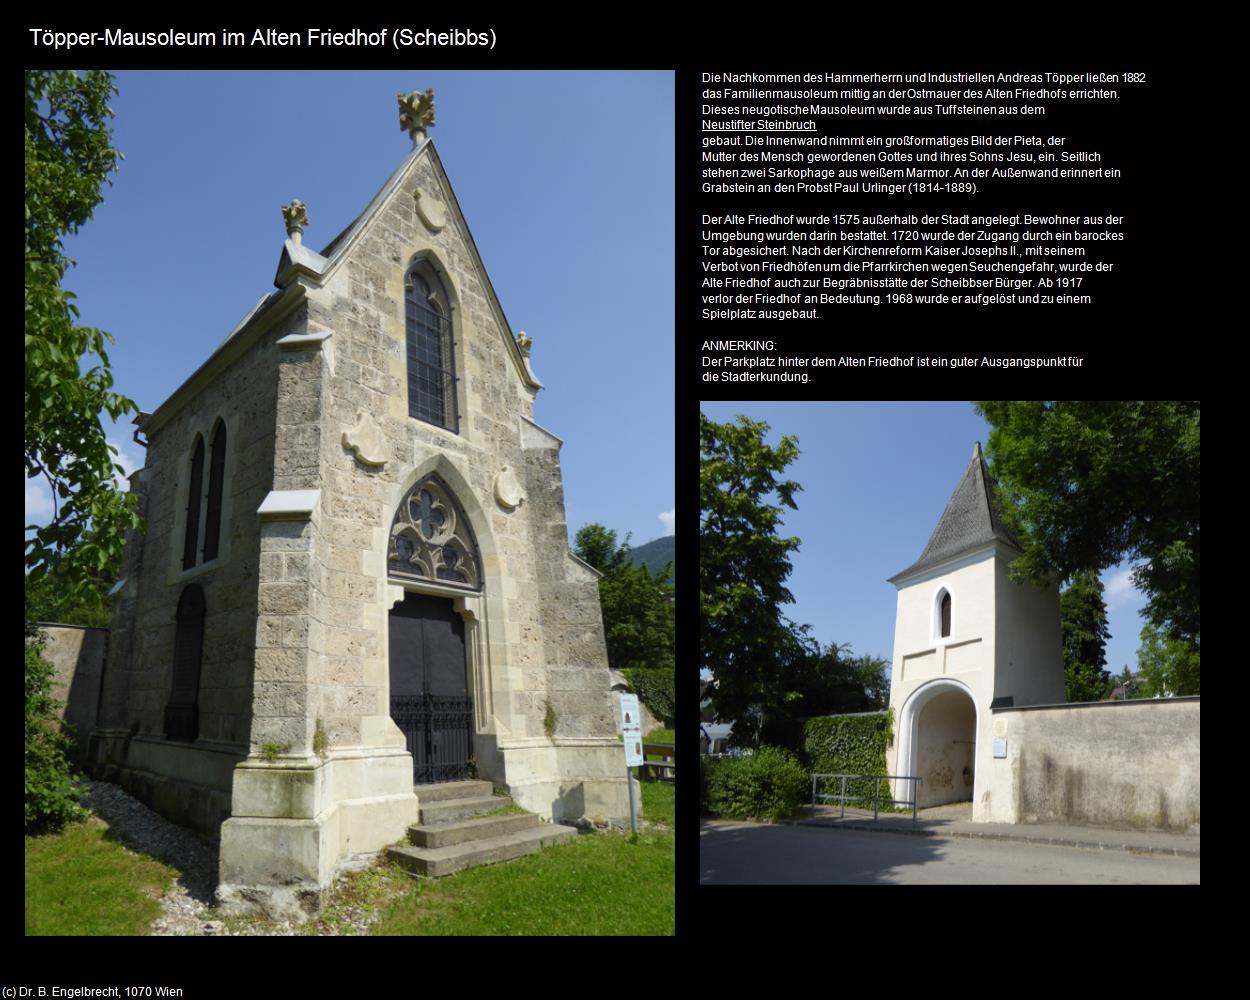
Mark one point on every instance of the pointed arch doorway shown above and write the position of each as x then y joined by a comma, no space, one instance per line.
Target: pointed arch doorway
433,555
430,699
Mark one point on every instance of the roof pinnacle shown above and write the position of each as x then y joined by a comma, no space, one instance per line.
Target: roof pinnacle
416,113
296,216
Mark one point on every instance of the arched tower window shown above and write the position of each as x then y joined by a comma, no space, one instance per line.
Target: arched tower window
216,474
431,539
182,712
944,612
192,536
431,360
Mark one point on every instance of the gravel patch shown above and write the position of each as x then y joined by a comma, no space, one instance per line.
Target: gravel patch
187,907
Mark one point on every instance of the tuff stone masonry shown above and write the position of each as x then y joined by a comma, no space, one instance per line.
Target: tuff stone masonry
282,739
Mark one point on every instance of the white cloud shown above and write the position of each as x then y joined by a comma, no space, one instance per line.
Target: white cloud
38,501
1118,588
130,457
667,517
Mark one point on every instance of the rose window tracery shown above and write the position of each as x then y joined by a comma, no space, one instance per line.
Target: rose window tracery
430,539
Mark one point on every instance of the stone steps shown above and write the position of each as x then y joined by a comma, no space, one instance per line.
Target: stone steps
454,834
459,831
447,810
438,861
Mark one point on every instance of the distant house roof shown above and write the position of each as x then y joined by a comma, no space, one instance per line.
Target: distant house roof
969,521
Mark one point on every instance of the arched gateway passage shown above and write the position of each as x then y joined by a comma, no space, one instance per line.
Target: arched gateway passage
937,742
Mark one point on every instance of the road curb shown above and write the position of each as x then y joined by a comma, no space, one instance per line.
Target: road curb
1086,844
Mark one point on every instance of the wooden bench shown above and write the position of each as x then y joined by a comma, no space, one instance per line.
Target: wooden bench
666,769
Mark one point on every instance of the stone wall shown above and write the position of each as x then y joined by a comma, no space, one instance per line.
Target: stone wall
77,653
1133,764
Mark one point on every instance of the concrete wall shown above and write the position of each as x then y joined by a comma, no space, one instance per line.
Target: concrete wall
77,653
1130,764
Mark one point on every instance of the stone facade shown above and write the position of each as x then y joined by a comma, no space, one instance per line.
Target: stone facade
296,750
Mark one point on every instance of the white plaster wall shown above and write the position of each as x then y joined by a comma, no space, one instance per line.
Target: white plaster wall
1029,641
920,656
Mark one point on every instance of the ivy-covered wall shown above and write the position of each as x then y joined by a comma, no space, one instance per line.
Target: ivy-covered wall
849,744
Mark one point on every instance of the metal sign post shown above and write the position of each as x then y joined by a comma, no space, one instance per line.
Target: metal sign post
631,732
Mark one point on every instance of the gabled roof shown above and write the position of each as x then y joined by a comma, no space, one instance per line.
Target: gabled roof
298,265
969,522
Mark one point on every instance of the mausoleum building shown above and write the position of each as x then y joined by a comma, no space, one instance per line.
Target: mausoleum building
355,573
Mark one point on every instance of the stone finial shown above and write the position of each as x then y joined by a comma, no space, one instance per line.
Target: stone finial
416,113
296,216
976,450
524,341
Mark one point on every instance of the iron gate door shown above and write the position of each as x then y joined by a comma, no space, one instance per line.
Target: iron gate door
429,696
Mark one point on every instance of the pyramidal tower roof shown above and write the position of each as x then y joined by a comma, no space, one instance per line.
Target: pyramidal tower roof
969,521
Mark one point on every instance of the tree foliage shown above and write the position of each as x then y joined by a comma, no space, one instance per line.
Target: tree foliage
830,681
1083,614
1087,484
638,610
743,566
68,157
1166,666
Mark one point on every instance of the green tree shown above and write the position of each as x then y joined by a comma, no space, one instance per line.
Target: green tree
1083,614
830,681
68,381
638,610
1165,666
743,566
1087,484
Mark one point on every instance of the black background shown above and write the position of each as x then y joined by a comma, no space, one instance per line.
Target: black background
1145,336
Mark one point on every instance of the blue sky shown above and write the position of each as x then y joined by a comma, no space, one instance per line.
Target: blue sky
876,478
565,179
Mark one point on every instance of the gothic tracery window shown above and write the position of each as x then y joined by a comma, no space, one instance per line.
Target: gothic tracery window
216,476
430,539
191,538
201,540
431,363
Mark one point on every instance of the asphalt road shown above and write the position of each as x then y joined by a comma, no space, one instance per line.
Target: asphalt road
740,853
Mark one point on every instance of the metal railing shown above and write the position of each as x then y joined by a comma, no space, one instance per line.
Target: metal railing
876,799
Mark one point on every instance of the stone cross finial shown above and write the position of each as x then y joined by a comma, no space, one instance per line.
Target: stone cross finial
524,341
296,216
416,113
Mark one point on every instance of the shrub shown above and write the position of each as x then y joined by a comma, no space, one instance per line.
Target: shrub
52,793
768,785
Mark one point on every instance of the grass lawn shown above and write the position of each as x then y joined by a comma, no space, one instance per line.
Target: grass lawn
79,882
659,801
600,883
